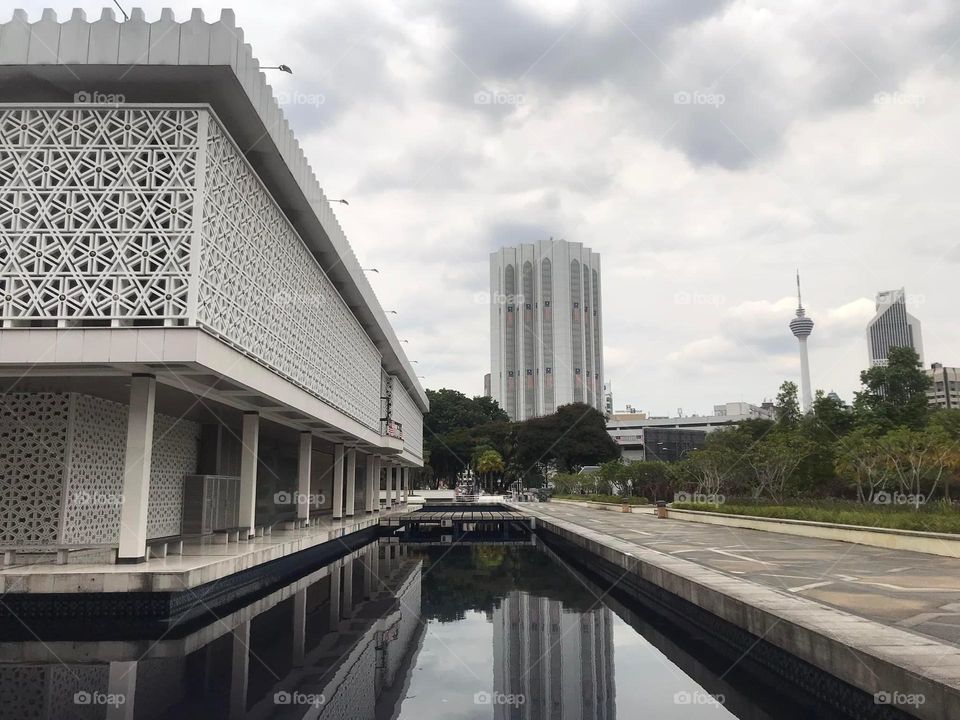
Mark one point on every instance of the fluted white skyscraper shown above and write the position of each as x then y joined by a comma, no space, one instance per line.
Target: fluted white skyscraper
801,327
546,328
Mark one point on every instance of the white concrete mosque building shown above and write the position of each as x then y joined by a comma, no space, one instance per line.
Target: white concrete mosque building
188,343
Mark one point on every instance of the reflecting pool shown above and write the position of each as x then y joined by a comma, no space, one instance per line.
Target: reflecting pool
413,631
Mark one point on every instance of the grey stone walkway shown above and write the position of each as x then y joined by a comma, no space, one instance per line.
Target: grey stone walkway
913,591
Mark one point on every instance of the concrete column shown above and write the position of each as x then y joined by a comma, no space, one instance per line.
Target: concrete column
122,683
394,483
303,476
406,484
249,454
334,596
136,470
299,627
240,671
375,566
387,482
368,570
347,610
351,481
378,463
368,495
337,482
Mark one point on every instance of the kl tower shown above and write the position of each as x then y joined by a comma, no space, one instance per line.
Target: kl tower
801,327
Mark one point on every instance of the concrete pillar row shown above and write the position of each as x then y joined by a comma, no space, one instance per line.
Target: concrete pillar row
351,481
304,463
136,470
338,482
249,456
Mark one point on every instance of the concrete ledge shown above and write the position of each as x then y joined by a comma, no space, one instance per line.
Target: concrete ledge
865,654
616,507
931,543
197,566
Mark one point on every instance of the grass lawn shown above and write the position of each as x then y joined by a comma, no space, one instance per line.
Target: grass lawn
616,499
931,518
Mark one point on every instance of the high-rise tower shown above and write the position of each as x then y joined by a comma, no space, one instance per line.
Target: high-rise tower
546,328
801,327
892,326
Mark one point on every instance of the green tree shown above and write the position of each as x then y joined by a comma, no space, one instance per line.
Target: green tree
894,395
787,407
919,459
773,462
860,460
832,414
574,436
487,461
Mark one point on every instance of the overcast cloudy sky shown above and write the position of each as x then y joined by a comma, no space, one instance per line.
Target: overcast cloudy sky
704,149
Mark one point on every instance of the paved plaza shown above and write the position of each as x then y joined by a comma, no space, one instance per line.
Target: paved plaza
913,591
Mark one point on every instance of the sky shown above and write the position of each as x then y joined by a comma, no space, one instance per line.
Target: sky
706,150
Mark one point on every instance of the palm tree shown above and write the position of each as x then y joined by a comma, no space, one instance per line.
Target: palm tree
487,461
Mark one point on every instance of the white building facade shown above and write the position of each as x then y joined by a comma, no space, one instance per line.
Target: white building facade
177,298
892,326
546,328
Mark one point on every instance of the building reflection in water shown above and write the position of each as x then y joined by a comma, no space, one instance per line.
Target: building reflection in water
557,661
343,642
338,643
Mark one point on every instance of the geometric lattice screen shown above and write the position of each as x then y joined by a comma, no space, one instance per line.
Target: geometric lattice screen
61,469
262,290
96,213
97,227
33,437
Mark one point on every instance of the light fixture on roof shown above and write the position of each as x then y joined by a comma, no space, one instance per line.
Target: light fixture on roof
391,312
371,270
341,201
281,68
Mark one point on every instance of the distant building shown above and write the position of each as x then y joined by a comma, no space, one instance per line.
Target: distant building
657,443
608,398
546,328
623,428
944,393
486,385
892,326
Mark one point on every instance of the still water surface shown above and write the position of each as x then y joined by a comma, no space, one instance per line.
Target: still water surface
401,631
